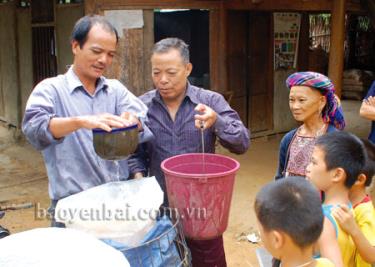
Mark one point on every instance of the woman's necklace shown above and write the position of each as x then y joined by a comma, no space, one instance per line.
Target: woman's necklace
301,265
303,140
318,132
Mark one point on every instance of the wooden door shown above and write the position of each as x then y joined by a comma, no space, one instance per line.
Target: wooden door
260,71
237,62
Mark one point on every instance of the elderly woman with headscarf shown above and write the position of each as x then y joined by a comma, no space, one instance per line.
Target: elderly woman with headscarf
313,103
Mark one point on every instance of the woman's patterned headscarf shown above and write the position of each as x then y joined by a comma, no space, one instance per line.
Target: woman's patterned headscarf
332,112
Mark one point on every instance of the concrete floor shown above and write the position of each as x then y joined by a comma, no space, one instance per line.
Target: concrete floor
23,180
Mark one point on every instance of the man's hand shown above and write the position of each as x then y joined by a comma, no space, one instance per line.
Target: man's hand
207,116
367,109
131,120
370,101
61,127
104,121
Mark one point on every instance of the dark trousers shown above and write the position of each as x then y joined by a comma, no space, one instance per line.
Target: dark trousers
207,253
276,262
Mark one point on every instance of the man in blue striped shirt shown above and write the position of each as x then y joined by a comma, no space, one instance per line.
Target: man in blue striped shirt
176,111
62,110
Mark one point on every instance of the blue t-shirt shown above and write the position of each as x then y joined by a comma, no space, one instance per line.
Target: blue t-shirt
371,92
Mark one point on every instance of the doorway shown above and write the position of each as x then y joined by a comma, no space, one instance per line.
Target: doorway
192,26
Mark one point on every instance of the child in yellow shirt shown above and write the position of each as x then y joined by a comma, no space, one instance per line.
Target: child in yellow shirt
336,161
362,226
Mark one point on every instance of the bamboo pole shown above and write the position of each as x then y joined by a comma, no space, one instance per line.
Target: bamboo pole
336,54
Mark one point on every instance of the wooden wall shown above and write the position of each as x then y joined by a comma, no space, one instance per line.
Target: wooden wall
132,63
10,100
66,16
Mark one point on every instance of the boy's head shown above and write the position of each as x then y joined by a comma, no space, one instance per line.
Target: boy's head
338,157
288,210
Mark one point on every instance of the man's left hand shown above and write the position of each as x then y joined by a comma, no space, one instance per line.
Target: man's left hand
132,119
206,117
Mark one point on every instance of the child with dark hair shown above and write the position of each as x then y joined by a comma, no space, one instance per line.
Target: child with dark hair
337,160
361,227
290,221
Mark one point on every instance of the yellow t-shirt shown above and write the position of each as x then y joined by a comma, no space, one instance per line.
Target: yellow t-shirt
346,244
364,215
323,262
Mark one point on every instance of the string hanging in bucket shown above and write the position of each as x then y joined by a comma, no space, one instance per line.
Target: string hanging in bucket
202,140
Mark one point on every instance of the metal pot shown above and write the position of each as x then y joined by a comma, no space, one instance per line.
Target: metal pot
117,144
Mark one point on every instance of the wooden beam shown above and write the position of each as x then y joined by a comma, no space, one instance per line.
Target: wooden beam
336,54
92,6
290,5
148,43
218,50
152,4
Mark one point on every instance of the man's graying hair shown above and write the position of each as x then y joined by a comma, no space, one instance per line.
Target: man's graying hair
165,45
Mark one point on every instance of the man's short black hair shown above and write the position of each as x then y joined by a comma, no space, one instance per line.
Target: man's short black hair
83,26
343,150
369,168
291,205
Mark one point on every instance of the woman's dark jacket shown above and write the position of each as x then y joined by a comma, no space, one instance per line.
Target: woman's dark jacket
285,147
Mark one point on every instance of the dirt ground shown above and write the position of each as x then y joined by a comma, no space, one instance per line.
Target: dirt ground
23,180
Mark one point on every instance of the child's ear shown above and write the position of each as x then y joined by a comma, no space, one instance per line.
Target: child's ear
339,174
361,180
277,239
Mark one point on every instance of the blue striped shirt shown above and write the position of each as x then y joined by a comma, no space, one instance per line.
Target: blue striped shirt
71,162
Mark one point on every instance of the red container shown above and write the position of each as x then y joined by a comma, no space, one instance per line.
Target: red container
200,186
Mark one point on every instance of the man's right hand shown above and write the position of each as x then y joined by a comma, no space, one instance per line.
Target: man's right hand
104,121
61,127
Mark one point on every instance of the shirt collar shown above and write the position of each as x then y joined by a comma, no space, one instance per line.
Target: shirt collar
74,82
190,93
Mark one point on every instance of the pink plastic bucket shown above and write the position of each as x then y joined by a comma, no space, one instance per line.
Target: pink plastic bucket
202,193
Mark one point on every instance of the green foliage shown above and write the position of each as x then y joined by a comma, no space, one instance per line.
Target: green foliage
320,19
364,23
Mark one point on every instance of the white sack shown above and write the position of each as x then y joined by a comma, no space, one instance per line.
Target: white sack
58,247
